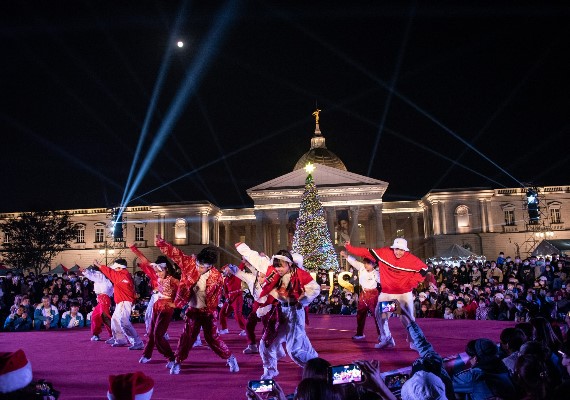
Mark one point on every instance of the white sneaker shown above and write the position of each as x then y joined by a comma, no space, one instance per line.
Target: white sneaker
223,332
144,360
358,337
198,342
110,341
175,369
120,344
413,346
137,346
385,344
95,338
232,363
169,364
250,349
269,373
166,336
243,333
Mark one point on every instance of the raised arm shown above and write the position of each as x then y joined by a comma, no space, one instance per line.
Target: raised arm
145,266
186,263
352,261
359,251
257,261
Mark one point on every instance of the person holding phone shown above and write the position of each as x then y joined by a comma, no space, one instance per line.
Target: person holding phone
400,272
289,290
369,281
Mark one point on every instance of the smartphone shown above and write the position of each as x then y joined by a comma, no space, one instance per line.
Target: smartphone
562,353
339,374
395,382
263,386
388,306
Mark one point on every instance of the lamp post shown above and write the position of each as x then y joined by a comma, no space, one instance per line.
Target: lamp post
107,251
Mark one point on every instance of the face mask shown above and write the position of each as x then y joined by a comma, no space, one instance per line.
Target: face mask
508,301
450,298
459,306
322,298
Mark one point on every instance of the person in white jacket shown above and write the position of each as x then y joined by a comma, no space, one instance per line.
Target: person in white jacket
368,280
101,314
289,289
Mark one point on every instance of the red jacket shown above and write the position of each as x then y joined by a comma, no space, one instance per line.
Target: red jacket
394,281
232,288
123,284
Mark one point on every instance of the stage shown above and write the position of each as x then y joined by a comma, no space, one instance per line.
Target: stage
79,368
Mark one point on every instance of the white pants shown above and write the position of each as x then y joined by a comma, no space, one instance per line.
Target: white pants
121,324
296,341
148,312
406,301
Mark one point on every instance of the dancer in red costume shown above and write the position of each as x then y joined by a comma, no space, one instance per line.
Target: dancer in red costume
161,278
400,272
201,288
233,301
101,315
368,280
124,288
289,289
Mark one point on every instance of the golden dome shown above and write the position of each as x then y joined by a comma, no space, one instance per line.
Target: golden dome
319,154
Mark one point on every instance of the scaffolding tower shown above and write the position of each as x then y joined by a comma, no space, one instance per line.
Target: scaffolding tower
536,219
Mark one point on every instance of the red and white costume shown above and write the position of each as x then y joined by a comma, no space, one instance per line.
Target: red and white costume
233,300
202,294
368,298
399,276
284,319
124,288
101,314
163,308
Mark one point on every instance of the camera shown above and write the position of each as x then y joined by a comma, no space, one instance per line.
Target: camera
388,306
339,374
394,382
263,386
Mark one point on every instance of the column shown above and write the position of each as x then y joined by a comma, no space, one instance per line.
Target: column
415,231
483,212
436,221
490,223
205,228
259,231
443,216
282,215
217,230
227,244
330,214
354,234
380,239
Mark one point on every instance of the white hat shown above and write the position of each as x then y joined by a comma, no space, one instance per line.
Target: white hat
400,243
298,259
499,295
15,371
137,386
543,278
423,385
422,294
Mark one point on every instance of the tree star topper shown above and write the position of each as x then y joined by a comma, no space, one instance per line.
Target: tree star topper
309,168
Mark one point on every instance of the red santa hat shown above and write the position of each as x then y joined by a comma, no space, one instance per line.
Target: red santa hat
132,386
15,371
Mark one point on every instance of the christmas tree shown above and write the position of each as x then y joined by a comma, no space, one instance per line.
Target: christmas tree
312,239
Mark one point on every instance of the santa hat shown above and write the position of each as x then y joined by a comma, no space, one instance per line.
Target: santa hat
423,385
132,386
15,371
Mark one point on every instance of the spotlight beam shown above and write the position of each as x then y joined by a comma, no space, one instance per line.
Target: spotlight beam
187,89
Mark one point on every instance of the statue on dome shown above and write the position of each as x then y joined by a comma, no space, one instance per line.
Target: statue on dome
316,115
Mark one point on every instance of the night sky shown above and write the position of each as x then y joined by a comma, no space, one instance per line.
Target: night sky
423,97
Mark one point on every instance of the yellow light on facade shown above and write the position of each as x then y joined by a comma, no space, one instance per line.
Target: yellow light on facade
309,168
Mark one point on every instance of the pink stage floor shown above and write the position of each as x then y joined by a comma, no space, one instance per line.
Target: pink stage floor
80,368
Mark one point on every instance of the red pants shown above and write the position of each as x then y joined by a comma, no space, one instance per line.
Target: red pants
101,315
367,301
161,315
196,319
237,305
252,321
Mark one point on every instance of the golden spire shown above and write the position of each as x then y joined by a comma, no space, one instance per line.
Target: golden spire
316,115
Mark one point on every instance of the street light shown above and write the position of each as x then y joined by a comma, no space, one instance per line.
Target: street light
107,251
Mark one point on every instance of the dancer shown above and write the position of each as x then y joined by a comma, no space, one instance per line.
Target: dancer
254,281
368,280
101,314
124,288
233,300
161,275
400,272
289,289
200,287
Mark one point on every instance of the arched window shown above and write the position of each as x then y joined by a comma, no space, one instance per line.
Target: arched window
462,216
180,229
80,233
555,212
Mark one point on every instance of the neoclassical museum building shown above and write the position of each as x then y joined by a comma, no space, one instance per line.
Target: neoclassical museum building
482,220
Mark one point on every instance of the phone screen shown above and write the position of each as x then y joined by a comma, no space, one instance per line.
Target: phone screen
340,374
388,306
396,381
261,386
